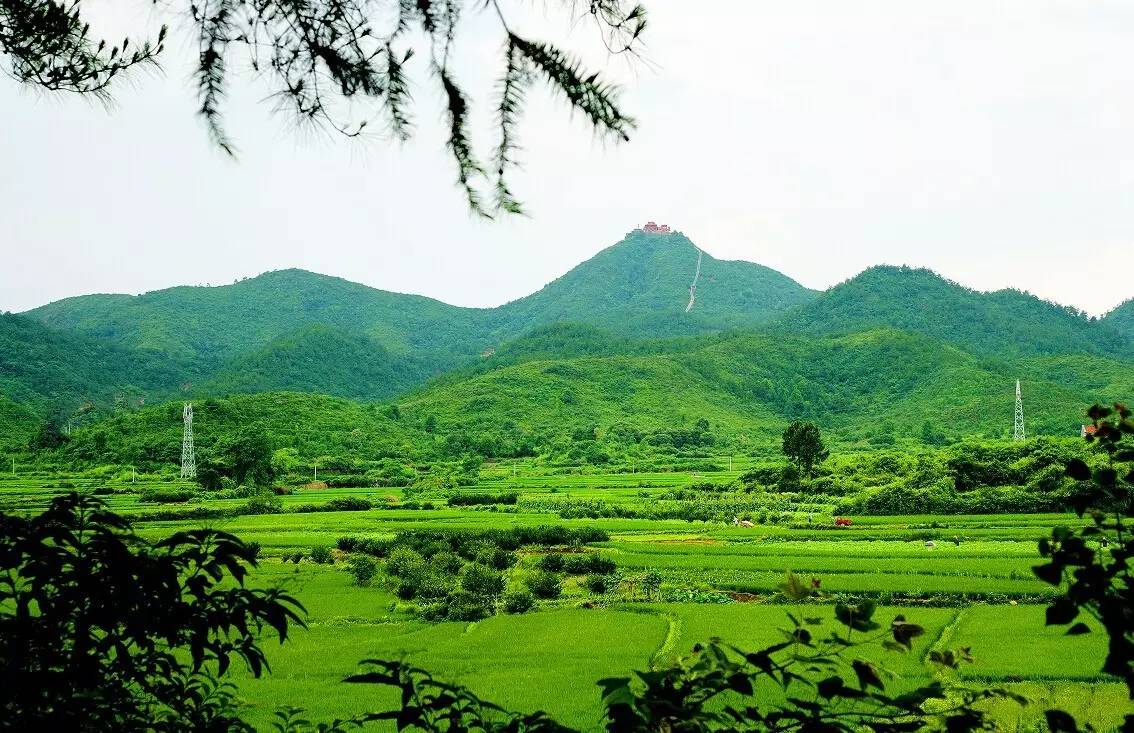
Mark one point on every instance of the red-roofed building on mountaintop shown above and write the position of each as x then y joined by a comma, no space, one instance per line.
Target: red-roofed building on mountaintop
1087,430
654,228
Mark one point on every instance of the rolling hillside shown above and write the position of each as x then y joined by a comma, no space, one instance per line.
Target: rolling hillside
707,395
861,386
611,345
1121,319
1006,322
44,369
296,330
321,359
211,325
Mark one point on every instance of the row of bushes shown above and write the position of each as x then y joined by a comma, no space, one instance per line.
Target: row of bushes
468,499
899,499
464,542
708,508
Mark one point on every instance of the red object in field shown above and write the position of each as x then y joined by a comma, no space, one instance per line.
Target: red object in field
843,522
655,228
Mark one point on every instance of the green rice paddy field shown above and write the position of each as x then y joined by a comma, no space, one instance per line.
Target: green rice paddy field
973,587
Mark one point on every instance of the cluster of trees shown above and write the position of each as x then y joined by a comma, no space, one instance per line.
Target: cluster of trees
462,576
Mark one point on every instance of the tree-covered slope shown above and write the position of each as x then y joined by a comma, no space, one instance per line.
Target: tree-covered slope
863,386
17,424
319,359
44,369
1002,323
214,324
306,425
739,391
640,287
1121,319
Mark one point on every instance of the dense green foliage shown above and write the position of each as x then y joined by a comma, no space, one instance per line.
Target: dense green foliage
101,630
998,324
1121,319
321,359
47,370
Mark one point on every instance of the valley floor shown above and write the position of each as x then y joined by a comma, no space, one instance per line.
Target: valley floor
966,579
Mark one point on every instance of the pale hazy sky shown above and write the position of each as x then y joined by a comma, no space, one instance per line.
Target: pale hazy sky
991,141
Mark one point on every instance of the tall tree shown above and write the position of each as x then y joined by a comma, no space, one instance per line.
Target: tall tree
329,59
803,444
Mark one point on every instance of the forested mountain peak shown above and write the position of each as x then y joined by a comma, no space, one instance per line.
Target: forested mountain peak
658,284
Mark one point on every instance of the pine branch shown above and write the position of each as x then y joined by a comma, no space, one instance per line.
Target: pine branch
215,30
596,100
460,147
513,86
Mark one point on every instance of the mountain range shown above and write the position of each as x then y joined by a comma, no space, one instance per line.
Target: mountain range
620,339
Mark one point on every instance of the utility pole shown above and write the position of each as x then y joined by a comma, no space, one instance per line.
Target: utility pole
1018,420
316,470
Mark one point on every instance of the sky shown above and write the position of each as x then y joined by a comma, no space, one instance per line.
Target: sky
990,141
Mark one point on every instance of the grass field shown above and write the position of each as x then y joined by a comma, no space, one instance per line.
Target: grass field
973,587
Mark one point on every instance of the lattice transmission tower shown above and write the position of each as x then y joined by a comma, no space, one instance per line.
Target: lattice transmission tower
188,456
1018,422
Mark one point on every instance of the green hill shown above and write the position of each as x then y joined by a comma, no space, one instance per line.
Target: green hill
45,369
319,358
211,325
1002,323
861,386
309,425
687,397
296,330
640,287
19,425
1121,319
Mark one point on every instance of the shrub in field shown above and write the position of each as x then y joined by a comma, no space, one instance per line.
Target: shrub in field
543,584
495,557
460,606
343,504
402,562
587,562
427,584
166,495
600,584
482,581
362,569
322,555
367,545
446,562
552,562
518,601
262,505
651,583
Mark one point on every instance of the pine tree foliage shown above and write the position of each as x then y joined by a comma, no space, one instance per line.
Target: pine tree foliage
338,64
